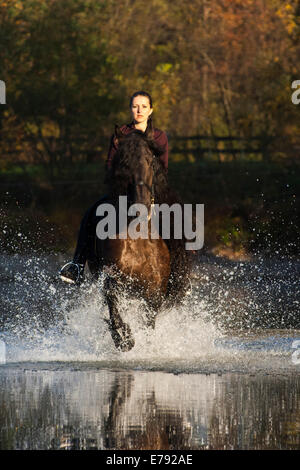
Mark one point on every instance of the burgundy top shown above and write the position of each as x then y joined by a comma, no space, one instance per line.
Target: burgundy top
160,138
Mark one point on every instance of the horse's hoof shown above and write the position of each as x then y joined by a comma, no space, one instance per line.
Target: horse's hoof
123,338
150,323
126,345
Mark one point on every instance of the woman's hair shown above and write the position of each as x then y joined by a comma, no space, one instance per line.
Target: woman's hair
149,132
141,93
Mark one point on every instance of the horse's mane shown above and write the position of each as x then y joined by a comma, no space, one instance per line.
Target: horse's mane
130,148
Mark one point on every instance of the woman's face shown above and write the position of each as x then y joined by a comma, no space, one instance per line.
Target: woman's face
140,109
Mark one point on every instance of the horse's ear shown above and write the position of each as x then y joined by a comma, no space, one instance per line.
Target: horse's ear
117,134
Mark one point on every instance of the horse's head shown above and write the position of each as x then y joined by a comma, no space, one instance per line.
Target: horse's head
133,169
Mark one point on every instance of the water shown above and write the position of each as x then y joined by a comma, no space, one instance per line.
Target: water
80,407
220,372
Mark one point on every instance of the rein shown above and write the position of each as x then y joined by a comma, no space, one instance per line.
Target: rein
150,189
143,183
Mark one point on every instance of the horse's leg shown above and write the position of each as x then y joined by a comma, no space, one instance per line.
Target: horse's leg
150,319
120,331
153,306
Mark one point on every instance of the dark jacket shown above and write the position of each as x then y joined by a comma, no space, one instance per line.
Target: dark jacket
160,138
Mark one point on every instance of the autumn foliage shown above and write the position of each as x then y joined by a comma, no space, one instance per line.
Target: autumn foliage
220,67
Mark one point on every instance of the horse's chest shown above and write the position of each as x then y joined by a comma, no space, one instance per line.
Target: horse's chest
143,259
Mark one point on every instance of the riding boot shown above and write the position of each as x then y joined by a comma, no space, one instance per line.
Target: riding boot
73,272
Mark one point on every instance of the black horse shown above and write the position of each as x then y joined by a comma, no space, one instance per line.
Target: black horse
155,269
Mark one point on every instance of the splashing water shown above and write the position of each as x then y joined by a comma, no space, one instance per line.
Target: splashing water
231,320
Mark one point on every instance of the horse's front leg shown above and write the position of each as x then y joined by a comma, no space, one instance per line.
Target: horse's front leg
154,303
120,331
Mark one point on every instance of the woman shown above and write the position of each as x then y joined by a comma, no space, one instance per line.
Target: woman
141,110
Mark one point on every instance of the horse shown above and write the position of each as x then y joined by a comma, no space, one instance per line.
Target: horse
154,269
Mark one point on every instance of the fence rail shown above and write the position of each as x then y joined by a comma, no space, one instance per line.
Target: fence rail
200,146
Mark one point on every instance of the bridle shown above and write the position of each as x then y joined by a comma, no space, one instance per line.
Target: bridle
150,189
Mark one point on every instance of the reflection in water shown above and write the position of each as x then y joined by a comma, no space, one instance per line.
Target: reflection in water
237,318
105,409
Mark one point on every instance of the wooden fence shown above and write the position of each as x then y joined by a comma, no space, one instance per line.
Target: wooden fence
220,148
196,147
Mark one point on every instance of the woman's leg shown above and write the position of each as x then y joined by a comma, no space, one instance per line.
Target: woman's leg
73,271
86,233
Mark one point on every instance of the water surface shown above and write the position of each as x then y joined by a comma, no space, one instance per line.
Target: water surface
220,372
67,407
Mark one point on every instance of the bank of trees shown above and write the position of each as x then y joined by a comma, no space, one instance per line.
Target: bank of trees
213,67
